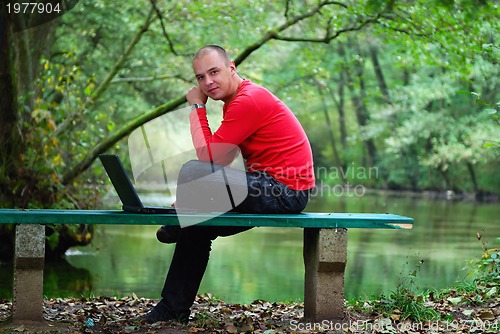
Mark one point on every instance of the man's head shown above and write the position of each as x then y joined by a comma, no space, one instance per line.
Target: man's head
216,73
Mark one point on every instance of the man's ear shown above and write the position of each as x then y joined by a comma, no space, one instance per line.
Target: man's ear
232,65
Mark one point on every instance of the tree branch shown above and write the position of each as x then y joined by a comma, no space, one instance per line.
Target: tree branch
107,81
273,33
412,30
287,8
328,35
164,30
119,64
111,140
152,78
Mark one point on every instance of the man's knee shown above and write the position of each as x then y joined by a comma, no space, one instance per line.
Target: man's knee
194,170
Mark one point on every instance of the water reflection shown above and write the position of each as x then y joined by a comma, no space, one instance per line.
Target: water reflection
61,279
266,263
444,238
64,280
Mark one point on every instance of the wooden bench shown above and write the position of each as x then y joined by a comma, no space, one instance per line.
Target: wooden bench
325,249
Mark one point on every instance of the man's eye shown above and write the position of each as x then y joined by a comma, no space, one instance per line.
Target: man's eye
214,72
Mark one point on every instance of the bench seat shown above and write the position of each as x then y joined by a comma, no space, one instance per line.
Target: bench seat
325,248
305,219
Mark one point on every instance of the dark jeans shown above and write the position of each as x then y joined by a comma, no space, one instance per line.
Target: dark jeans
265,195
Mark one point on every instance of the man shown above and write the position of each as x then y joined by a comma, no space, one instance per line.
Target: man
279,169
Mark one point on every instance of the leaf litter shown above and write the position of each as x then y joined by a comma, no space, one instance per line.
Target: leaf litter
209,315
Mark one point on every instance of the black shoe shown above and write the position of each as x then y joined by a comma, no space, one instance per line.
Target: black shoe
161,313
168,234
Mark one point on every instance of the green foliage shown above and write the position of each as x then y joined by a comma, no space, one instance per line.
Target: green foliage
486,270
206,319
405,301
438,127
488,267
482,283
93,85
50,153
410,306
492,110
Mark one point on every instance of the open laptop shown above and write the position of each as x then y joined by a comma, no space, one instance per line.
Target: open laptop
125,189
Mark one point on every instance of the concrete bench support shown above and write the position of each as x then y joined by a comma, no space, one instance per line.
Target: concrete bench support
28,273
325,258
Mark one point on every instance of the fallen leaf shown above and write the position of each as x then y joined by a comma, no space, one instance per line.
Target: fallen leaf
19,329
231,329
467,312
226,310
487,315
130,329
454,300
492,292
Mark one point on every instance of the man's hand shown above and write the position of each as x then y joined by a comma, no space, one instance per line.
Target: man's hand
195,95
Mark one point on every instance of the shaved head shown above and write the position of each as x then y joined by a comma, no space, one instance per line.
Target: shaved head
212,48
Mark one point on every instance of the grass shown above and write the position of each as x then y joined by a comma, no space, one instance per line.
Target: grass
404,303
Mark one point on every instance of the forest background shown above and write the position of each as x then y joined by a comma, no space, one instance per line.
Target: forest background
406,87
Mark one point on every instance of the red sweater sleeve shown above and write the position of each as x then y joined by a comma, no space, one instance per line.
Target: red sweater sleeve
208,146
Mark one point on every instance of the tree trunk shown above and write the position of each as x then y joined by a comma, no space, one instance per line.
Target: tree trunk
341,103
472,173
360,109
329,127
409,155
362,115
10,134
384,90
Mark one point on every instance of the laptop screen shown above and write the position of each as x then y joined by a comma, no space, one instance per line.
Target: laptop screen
120,180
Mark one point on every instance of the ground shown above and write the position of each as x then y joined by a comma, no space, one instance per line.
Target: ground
116,315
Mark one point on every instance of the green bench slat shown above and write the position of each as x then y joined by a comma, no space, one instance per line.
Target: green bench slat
306,219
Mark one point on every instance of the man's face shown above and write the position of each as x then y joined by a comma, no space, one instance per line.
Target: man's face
215,76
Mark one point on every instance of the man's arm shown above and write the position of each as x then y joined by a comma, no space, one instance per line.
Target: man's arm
207,150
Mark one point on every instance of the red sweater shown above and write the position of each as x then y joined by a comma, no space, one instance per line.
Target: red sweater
268,134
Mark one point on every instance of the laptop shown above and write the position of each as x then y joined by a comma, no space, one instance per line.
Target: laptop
125,189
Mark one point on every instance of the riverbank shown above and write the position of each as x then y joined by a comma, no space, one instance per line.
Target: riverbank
449,195
457,310
472,306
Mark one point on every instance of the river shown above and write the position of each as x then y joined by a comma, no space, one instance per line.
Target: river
266,263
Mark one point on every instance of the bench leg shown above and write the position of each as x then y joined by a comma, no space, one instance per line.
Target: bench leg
28,273
325,257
